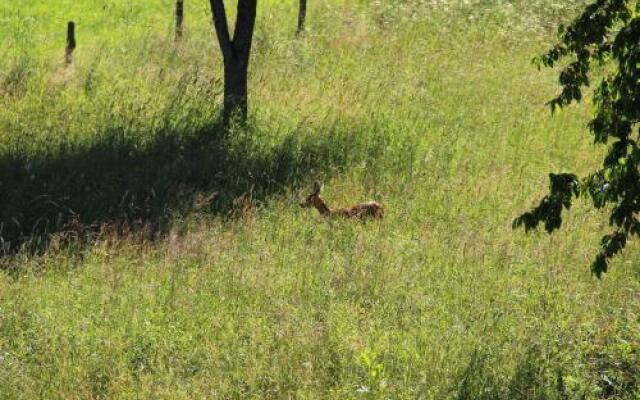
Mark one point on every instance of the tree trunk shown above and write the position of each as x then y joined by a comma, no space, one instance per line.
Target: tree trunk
302,15
236,54
179,18
235,90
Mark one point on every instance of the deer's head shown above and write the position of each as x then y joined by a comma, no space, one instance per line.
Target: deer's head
312,199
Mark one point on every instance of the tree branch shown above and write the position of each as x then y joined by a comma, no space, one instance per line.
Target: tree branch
245,23
222,28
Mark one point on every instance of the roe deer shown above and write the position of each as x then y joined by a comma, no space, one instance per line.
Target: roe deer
370,209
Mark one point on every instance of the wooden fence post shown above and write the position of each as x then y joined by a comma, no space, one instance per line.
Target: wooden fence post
71,42
179,18
302,16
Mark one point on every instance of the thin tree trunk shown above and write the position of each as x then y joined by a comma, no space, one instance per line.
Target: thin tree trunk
236,54
179,18
302,15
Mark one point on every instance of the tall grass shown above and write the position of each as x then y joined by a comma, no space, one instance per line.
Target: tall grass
150,254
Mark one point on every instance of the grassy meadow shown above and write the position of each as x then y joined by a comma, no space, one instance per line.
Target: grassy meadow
149,253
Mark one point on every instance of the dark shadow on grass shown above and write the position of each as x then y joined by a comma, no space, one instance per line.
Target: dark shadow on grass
532,379
127,186
610,371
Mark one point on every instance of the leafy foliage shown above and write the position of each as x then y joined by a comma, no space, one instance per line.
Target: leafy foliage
605,35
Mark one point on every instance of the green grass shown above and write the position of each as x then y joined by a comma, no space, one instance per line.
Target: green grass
148,254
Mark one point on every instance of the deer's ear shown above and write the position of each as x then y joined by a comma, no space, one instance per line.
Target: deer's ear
317,187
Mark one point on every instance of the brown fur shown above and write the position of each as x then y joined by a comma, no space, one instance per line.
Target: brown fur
369,209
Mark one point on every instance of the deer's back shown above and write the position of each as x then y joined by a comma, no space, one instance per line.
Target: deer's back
370,209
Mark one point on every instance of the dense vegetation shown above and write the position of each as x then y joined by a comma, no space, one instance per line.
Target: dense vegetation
606,36
148,253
